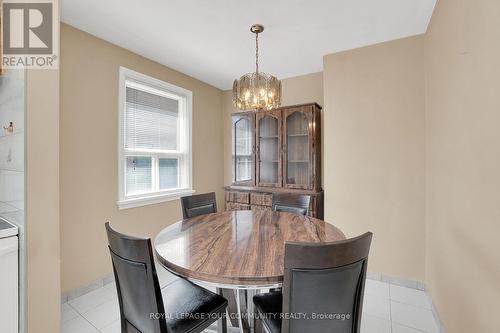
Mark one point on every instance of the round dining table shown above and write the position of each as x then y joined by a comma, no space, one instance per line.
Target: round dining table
237,252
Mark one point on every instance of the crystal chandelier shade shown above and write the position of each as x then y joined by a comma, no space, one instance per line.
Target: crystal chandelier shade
258,90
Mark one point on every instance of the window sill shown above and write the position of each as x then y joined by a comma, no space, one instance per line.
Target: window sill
151,200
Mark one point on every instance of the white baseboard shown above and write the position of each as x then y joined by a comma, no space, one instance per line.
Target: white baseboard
435,313
397,281
77,292
409,284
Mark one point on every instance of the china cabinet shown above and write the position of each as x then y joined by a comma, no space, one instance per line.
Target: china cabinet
276,151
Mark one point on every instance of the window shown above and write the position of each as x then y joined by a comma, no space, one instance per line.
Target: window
154,153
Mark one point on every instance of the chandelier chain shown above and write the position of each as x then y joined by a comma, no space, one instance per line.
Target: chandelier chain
257,53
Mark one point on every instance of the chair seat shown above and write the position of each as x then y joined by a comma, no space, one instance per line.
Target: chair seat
190,308
270,306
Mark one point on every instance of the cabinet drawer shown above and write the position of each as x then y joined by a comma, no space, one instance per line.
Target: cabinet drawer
236,206
241,197
257,208
261,199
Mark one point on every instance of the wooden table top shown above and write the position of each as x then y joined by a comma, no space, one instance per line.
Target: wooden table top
237,248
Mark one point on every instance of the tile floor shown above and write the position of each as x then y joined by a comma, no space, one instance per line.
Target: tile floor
387,309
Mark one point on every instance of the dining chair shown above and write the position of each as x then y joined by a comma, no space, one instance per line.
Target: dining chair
291,203
326,279
179,307
200,204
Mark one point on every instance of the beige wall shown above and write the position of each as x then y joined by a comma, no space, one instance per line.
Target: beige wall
296,90
374,151
42,201
42,222
463,163
89,97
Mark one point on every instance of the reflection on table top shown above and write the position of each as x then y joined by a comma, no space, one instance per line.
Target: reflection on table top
237,247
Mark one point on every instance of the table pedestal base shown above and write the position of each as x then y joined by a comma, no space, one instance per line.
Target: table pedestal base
240,309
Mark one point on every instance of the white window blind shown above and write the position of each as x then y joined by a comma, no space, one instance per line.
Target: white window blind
152,121
155,140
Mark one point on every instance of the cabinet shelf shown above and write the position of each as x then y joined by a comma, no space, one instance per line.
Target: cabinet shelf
269,137
298,135
298,161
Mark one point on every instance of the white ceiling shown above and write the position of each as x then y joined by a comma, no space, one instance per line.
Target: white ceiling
210,39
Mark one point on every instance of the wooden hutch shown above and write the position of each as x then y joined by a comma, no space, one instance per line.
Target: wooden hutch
276,151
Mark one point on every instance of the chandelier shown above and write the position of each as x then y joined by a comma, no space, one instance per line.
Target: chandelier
258,90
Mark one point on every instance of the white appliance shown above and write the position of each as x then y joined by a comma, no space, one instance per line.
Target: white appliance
9,278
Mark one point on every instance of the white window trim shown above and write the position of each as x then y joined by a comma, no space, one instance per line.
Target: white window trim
161,196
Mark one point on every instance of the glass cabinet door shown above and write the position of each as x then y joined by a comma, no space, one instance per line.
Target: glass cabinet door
243,148
269,153
298,147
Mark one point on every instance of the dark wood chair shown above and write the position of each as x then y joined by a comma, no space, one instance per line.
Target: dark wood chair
195,205
291,203
181,306
325,278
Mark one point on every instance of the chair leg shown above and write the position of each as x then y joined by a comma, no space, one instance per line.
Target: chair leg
222,322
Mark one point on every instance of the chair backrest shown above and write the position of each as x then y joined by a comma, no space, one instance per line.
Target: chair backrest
200,204
326,279
139,292
291,203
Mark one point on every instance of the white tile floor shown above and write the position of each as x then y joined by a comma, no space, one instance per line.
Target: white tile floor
387,309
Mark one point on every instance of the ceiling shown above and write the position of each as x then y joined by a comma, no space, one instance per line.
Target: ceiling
211,41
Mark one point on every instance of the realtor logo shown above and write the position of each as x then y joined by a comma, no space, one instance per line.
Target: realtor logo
27,28
28,34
